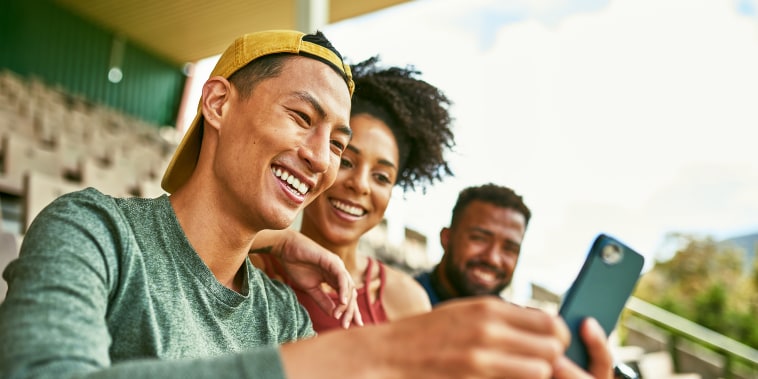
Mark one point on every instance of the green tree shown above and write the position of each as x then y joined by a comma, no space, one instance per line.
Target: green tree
704,282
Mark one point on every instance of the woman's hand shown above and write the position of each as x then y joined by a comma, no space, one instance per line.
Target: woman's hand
308,265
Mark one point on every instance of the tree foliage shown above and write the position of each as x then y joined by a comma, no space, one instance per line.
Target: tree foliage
706,283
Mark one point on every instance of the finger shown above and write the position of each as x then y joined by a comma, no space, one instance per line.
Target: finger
563,331
341,310
518,367
352,311
337,276
323,300
537,321
346,287
525,343
564,368
357,318
601,359
509,328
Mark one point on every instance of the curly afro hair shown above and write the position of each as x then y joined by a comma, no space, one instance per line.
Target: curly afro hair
416,112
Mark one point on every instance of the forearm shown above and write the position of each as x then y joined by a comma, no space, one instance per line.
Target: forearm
478,338
270,241
262,363
337,354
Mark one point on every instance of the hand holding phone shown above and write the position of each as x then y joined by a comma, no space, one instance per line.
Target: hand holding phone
604,284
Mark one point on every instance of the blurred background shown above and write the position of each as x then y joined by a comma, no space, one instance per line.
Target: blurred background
636,118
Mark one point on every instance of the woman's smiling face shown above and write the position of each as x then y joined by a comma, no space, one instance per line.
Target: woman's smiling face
360,194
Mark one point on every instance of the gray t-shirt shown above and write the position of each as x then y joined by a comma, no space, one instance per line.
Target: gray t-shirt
111,288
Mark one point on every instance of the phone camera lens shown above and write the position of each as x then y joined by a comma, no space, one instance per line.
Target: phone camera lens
611,254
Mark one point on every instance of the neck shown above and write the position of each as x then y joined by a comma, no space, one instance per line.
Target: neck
220,242
348,253
441,285
346,250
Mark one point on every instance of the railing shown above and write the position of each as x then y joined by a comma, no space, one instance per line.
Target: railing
678,327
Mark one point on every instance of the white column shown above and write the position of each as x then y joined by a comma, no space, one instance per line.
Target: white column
311,15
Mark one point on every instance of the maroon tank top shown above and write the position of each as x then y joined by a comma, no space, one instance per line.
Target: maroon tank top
372,313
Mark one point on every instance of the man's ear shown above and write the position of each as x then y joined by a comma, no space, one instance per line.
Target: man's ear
444,236
216,94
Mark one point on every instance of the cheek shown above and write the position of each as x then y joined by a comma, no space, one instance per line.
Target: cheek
334,171
381,198
511,261
318,208
340,173
467,251
331,175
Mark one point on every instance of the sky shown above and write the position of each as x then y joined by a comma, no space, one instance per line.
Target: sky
634,118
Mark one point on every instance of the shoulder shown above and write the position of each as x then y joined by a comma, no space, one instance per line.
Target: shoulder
80,207
423,277
92,213
399,280
86,224
82,198
72,212
403,295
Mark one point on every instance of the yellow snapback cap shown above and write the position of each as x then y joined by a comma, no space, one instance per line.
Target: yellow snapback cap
242,51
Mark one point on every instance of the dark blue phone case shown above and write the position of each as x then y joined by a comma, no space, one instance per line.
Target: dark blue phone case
600,290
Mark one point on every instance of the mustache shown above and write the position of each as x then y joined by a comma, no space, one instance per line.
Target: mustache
477,263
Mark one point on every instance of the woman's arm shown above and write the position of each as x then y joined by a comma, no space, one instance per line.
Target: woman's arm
308,265
403,295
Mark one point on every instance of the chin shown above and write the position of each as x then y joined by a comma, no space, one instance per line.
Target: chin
280,221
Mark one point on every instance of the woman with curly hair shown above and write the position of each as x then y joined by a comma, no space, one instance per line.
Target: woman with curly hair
401,130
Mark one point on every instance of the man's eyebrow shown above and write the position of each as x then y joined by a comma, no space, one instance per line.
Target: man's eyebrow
481,230
344,129
308,98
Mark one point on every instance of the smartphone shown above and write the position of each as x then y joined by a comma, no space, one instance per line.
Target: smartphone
604,284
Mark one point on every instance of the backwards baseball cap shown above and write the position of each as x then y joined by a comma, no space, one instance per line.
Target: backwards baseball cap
242,51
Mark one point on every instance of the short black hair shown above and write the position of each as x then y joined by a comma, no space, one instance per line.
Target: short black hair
320,39
497,195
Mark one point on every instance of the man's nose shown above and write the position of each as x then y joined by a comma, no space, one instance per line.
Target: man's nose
315,152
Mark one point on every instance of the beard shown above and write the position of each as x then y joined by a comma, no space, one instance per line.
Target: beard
464,288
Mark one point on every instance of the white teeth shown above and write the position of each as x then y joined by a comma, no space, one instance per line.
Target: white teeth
350,209
294,182
484,275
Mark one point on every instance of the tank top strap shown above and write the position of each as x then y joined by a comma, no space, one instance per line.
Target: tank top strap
382,281
382,278
367,273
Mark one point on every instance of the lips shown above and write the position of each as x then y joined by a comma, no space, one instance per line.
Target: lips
485,275
295,184
350,209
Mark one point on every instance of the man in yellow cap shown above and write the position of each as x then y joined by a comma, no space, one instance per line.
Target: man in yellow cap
162,288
